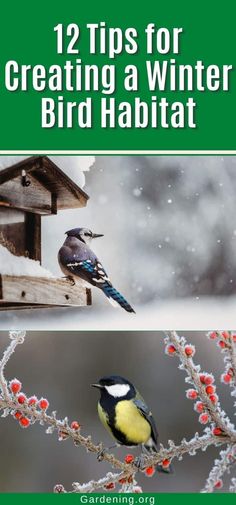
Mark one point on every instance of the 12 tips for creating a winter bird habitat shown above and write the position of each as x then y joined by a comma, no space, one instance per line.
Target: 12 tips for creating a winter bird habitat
125,242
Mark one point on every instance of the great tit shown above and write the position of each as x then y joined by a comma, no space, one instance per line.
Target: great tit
126,416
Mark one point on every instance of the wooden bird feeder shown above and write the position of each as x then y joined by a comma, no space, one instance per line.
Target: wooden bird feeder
33,188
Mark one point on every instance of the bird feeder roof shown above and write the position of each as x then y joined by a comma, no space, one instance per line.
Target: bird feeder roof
45,178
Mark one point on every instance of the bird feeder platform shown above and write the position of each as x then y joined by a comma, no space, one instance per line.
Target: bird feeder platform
29,190
20,292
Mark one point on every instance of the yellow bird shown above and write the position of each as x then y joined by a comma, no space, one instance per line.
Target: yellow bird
126,416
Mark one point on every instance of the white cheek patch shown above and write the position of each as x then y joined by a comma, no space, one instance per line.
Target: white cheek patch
118,390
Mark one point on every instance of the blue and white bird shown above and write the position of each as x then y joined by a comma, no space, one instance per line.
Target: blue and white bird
77,260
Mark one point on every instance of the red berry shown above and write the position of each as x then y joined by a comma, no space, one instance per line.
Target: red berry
129,458
225,334
199,407
21,398
43,403
170,349
122,481
32,400
204,418
234,338
150,470
217,432
226,378
165,463
130,479
24,422
17,415
222,344
210,390
75,425
218,484
213,398
191,394
189,350
202,377
15,386
209,379
213,335
59,488
111,485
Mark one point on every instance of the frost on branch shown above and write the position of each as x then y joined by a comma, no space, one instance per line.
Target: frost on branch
218,430
207,405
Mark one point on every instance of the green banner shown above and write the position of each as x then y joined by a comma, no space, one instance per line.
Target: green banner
120,499
127,76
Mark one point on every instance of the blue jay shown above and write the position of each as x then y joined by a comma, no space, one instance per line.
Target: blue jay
77,260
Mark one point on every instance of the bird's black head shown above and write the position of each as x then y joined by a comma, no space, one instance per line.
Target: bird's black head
83,234
116,386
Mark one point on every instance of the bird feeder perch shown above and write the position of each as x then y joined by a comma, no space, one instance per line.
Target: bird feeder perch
33,188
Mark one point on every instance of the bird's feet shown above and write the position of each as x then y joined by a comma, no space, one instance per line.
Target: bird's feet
70,279
140,461
101,454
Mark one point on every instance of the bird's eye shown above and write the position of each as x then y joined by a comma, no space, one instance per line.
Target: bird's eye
87,234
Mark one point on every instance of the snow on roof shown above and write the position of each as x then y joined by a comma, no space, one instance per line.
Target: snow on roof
20,265
73,166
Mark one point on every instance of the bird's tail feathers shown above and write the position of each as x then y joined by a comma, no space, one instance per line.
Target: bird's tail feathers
114,296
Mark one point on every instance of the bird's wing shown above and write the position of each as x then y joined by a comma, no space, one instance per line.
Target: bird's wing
145,411
90,270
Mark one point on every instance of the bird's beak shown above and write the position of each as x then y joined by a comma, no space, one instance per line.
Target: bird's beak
97,386
97,235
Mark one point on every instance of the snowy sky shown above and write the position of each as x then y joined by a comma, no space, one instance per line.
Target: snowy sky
169,227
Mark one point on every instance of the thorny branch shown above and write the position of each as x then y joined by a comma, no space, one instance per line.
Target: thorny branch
208,404
220,467
222,432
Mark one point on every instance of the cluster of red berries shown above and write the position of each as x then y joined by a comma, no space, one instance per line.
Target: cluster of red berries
207,380
188,349
42,404
199,406
129,480
222,338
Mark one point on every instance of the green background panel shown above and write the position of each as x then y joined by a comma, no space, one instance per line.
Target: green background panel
120,499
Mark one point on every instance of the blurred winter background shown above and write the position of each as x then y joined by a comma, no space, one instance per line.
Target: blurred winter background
169,225
62,365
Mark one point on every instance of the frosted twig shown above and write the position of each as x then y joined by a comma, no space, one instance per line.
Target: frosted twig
17,337
232,486
230,362
93,485
215,412
20,407
221,466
